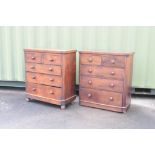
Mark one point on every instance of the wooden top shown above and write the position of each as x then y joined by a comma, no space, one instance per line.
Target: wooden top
49,50
107,52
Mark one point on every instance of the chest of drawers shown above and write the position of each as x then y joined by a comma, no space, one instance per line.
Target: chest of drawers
105,80
50,75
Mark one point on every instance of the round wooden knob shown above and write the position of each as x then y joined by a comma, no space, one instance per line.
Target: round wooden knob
33,89
111,85
90,82
112,73
32,67
33,77
50,69
113,61
51,92
89,95
52,79
52,59
90,59
33,58
90,70
111,98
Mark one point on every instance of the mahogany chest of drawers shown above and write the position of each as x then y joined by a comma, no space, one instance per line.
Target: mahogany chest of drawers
105,80
50,75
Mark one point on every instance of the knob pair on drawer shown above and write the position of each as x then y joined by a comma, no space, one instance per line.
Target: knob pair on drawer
51,92
51,79
51,59
110,98
90,59
110,85
90,71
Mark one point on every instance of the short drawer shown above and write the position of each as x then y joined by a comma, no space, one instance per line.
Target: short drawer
113,61
103,84
90,59
54,59
44,79
46,69
33,57
44,91
103,72
101,97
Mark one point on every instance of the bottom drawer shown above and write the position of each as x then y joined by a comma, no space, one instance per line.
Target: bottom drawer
44,91
101,97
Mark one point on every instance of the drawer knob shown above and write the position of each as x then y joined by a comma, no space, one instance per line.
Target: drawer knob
111,85
50,69
33,77
32,67
52,79
90,70
52,59
89,95
51,92
33,58
90,59
33,89
90,82
111,98
112,73
113,61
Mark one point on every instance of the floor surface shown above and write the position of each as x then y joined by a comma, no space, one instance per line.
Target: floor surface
16,112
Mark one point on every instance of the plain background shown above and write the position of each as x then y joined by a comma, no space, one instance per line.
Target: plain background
77,13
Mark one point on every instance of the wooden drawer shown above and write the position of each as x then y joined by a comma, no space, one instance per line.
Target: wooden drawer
100,71
103,84
101,97
44,91
52,59
113,61
33,57
44,79
90,59
46,69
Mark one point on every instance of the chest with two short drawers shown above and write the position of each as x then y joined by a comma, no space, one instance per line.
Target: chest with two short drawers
50,75
105,80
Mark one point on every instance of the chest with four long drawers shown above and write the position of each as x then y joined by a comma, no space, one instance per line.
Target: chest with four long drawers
50,75
105,80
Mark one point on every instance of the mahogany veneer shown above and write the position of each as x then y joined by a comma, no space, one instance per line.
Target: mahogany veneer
105,80
50,75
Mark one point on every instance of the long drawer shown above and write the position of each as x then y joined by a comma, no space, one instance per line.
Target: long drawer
44,91
100,97
44,79
46,69
100,83
100,71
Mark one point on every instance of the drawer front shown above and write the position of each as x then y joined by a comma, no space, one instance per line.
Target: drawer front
44,79
113,61
52,59
46,69
103,97
104,72
44,91
90,59
103,84
33,57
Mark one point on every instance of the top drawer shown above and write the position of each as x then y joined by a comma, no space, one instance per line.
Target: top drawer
113,61
33,57
90,59
54,59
